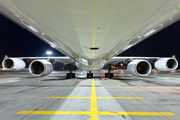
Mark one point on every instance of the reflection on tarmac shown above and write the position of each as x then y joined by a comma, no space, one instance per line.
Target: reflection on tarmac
124,97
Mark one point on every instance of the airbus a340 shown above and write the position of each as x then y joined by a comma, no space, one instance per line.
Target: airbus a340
92,32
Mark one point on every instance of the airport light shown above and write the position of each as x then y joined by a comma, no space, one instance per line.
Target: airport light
49,52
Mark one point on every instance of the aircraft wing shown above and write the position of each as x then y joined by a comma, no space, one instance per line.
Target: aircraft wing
64,60
137,66
116,60
142,66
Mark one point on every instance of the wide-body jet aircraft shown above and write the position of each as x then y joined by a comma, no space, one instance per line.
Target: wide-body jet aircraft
92,32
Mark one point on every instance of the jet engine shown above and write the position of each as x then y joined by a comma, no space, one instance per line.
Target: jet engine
40,67
13,64
166,64
139,68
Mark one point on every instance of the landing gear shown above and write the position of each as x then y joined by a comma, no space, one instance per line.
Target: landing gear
70,75
90,75
109,75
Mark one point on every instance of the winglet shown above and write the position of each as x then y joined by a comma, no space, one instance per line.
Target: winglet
5,57
173,56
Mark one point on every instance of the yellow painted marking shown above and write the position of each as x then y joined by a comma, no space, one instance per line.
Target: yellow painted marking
55,112
93,107
98,97
138,113
98,113
120,98
95,85
71,97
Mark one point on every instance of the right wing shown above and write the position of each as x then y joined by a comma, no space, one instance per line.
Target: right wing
39,66
65,60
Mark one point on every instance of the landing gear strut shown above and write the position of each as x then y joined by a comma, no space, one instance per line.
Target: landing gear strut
90,75
109,75
70,75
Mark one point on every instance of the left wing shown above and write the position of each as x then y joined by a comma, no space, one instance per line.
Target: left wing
142,66
116,60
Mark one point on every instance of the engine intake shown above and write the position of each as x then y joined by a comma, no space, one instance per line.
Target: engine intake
40,67
139,67
166,64
13,64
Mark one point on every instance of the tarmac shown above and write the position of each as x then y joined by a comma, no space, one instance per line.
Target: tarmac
124,97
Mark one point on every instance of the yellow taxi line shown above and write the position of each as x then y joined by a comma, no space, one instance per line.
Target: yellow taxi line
94,113
138,113
98,97
95,85
93,107
120,98
56,112
72,97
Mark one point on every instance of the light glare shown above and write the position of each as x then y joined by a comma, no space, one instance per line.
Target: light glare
49,52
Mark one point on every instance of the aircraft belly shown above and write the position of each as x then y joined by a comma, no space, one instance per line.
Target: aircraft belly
75,26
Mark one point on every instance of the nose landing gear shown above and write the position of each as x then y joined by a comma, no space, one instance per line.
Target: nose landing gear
90,75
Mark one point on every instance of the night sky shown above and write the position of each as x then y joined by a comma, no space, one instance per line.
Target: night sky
18,42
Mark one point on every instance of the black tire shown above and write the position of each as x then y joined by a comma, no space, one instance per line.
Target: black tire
91,75
106,75
87,75
73,75
111,75
68,75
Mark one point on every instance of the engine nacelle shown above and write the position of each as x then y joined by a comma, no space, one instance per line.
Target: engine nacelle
13,64
166,64
40,67
139,68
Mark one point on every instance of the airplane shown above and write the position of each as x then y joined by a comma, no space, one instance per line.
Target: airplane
91,33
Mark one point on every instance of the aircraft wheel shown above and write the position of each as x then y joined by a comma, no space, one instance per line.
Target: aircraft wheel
106,75
68,75
90,75
73,75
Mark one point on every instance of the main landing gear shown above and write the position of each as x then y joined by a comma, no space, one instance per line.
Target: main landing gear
70,75
89,75
109,75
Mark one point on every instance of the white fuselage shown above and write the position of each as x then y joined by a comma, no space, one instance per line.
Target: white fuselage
92,31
